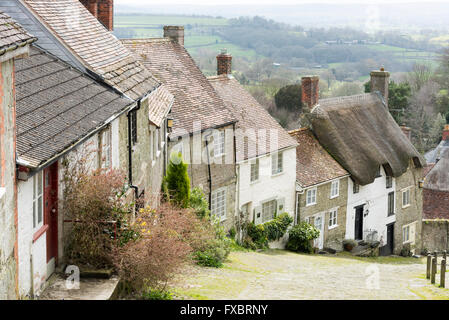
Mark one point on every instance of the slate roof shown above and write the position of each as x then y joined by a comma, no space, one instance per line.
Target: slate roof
438,176
359,132
435,154
57,106
195,98
161,102
91,43
314,165
12,35
252,119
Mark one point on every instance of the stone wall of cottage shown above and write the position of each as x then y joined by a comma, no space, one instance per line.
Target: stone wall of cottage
332,237
7,182
412,213
223,173
435,235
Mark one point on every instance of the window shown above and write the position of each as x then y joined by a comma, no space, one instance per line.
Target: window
389,182
308,220
159,139
105,148
335,189
406,234
311,197
133,116
155,147
333,218
378,173
276,163
269,210
218,204
219,144
356,188
405,198
38,205
391,204
255,170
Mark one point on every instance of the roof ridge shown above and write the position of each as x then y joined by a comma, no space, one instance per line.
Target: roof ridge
298,130
145,40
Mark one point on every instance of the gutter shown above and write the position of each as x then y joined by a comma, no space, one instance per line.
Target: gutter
209,180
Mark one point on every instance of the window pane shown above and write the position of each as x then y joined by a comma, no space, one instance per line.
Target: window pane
39,210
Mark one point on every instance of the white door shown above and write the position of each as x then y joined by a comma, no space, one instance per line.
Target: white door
319,224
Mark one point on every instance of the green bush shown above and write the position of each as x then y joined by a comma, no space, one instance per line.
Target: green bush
258,238
232,233
156,294
301,236
199,203
277,227
177,181
214,254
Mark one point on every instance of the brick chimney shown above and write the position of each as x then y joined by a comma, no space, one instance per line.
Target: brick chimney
103,10
379,82
310,87
175,33
446,132
224,63
407,132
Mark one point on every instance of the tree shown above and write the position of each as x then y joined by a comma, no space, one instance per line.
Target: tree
177,181
289,97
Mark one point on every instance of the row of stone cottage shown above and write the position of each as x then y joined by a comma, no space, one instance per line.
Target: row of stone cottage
72,86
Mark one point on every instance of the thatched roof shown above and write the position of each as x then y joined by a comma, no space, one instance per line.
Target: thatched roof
359,132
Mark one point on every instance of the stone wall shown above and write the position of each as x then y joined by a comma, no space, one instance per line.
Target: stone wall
8,191
435,204
435,235
332,237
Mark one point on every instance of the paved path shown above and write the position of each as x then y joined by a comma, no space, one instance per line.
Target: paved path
278,274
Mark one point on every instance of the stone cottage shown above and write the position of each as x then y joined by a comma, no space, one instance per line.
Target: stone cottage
384,194
321,190
266,154
203,125
14,43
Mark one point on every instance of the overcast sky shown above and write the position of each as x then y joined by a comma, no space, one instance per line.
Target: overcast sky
265,2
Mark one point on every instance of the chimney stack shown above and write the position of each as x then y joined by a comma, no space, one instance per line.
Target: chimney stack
379,82
175,33
310,87
446,132
407,132
103,10
224,63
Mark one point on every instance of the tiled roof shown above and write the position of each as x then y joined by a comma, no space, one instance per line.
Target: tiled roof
313,164
253,120
195,98
57,106
12,35
96,47
435,154
160,101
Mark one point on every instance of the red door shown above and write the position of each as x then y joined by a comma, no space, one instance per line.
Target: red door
51,210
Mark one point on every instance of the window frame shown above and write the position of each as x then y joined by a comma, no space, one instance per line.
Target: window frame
219,144
404,228
406,192
315,191
214,199
391,207
277,163
254,164
272,203
355,188
333,183
105,149
333,219
38,178
389,182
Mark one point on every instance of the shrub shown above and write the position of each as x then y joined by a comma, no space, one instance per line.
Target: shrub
199,203
277,227
257,235
232,232
177,181
156,294
301,236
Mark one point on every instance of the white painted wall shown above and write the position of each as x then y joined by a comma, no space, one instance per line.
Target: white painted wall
268,187
375,198
115,141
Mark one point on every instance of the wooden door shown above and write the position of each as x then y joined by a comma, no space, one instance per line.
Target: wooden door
390,238
319,224
51,210
358,234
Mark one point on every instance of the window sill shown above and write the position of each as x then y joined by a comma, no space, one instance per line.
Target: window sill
391,214
333,227
310,204
254,182
40,232
406,206
334,196
277,174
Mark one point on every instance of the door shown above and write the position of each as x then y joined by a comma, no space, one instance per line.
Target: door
51,215
319,224
390,238
358,233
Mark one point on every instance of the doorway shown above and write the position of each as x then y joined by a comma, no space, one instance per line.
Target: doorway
51,215
358,231
319,224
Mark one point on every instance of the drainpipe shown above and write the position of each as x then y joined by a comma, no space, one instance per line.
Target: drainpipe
208,168
130,151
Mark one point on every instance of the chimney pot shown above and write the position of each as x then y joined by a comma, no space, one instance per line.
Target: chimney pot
310,87
224,63
379,82
103,10
446,132
175,33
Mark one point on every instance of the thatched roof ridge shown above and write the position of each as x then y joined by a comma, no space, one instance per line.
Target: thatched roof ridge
359,132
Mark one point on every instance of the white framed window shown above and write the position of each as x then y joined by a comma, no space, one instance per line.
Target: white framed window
269,210
333,218
254,170
218,203
405,234
219,144
38,201
277,165
311,197
406,198
335,189
105,150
